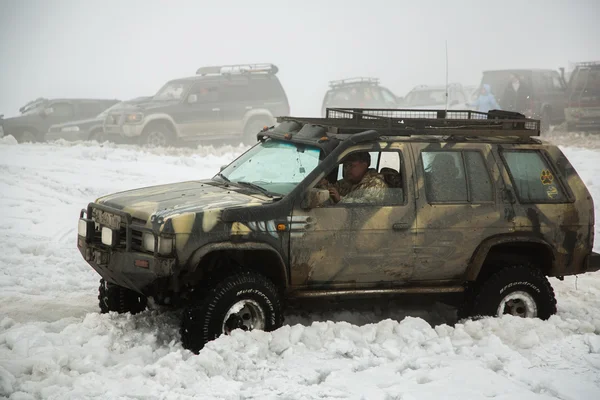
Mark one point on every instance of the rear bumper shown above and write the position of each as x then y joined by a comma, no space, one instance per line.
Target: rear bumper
592,262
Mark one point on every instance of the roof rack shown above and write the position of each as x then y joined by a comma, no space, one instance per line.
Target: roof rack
238,69
587,63
32,104
403,122
348,81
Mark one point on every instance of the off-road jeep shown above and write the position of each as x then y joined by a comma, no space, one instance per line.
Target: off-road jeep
583,107
220,102
361,92
475,206
39,115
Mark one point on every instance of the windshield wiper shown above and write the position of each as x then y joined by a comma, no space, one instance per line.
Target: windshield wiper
255,186
226,179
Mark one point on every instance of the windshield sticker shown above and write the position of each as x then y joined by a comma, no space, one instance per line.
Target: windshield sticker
546,177
552,192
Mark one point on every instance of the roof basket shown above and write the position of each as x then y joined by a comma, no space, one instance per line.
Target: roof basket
32,104
587,63
349,81
411,122
238,69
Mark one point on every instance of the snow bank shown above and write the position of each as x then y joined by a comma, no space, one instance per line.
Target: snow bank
55,345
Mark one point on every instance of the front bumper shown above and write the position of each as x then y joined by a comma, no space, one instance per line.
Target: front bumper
125,130
123,263
592,262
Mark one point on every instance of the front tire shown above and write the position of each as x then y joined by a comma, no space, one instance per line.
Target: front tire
157,135
251,131
117,298
519,290
245,300
98,136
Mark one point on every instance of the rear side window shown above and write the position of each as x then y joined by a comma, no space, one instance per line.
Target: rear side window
265,89
456,177
532,177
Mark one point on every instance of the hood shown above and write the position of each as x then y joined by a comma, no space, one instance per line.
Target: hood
176,199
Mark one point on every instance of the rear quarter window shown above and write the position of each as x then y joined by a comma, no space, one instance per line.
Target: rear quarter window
534,180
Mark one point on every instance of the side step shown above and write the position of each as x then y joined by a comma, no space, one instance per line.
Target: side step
309,294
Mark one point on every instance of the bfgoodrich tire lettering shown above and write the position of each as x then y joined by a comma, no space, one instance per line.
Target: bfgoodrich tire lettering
203,322
523,282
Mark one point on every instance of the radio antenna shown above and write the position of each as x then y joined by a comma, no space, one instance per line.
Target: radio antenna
446,75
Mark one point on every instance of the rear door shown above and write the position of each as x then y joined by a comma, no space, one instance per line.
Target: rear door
460,203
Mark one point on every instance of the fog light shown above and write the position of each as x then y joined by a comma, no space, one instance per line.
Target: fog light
82,228
108,237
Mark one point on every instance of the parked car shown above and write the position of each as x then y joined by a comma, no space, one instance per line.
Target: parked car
39,115
481,213
87,129
361,92
434,97
583,94
220,102
547,95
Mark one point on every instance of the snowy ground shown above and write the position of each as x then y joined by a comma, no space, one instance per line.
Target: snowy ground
55,345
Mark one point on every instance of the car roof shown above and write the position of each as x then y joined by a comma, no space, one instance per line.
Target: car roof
521,70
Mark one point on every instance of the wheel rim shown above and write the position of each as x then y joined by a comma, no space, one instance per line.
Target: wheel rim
519,304
156,139
246,315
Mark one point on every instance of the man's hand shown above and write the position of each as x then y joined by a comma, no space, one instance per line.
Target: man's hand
334,194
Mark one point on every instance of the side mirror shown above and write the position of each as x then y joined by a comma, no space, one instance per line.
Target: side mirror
222,168
315,198
192,98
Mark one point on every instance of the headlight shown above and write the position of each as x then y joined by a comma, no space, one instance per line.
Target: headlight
165,245
136,117
70,129
82,228
109,236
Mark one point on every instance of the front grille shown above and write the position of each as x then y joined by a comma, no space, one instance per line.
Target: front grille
136,229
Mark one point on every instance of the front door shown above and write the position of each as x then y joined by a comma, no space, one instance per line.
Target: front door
461,202
358,244
199,115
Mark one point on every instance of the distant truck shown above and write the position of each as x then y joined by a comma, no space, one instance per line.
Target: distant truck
583,96
39,115
360,92
219,102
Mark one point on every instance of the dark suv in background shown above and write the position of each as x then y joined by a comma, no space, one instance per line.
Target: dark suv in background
583,107
546,93
39,115
219,102
358,92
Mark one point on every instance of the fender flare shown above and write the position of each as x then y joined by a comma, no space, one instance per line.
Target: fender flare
481,252
259,113
161,117
200,253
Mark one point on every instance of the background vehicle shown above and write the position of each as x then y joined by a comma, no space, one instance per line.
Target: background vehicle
434,97
358,92
39,115
87,129
548,92
583,93
497,211
220,102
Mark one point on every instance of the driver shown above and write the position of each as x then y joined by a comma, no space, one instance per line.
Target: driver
360,184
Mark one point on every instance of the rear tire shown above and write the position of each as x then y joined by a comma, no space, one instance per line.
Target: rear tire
245,300
520,289
157,135
122,300
98,136
252,129
27,137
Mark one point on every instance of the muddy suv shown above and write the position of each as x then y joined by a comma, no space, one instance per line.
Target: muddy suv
463,204
220,102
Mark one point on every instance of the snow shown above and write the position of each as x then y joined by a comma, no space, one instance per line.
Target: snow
55,345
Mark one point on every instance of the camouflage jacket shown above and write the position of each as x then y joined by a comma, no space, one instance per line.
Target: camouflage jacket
371,189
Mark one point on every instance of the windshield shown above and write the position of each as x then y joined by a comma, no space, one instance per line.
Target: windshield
426,97
34,109
172,91
275,166
105,112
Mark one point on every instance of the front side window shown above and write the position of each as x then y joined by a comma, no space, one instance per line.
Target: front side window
275,166
61,109
532,177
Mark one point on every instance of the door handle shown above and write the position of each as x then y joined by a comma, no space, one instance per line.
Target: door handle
400,226
216,109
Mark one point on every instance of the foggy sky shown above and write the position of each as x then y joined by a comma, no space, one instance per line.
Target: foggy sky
125,49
